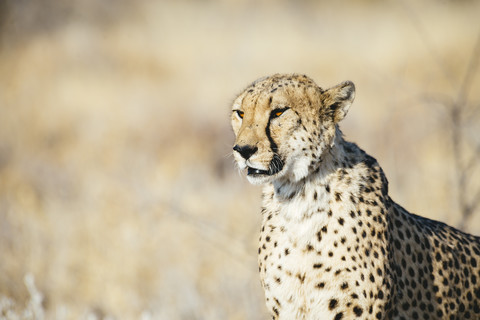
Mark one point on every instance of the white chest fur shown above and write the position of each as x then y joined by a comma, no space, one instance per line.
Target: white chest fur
309,261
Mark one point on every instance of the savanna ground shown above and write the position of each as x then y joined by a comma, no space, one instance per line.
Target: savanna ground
118,194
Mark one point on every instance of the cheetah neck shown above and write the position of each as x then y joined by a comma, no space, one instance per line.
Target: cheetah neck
324,170
335,189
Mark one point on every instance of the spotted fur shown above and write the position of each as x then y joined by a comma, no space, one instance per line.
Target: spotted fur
333,244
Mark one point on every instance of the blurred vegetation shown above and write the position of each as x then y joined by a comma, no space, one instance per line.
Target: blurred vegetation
118,194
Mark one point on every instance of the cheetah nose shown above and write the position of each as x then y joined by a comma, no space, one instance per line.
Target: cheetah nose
245,151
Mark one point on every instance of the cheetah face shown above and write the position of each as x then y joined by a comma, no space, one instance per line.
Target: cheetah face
283,124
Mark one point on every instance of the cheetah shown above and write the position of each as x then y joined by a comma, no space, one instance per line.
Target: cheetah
333,244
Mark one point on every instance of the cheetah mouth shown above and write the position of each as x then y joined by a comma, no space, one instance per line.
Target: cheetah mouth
276,165
257,172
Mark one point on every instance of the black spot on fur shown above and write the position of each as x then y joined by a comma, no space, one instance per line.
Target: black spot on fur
358,311
332,304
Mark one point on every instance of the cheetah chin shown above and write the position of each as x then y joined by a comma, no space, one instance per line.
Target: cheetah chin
333,244
260,176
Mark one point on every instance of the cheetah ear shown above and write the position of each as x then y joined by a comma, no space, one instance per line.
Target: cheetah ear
337,100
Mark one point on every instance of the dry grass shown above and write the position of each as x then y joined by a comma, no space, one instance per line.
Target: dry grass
117,190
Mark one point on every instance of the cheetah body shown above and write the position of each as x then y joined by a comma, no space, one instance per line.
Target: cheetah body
333,244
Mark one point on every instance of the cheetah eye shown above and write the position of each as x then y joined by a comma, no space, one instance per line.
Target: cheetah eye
278,112
240,113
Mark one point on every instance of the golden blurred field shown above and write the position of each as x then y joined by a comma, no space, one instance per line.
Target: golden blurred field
118,194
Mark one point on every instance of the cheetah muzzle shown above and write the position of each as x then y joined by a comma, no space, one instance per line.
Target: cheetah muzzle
333,244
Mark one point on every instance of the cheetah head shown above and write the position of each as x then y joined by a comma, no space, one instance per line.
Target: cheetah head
284,124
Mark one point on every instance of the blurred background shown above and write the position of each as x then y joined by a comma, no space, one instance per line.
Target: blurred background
119,198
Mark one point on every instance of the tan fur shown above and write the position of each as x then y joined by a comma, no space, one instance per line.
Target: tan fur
333,244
